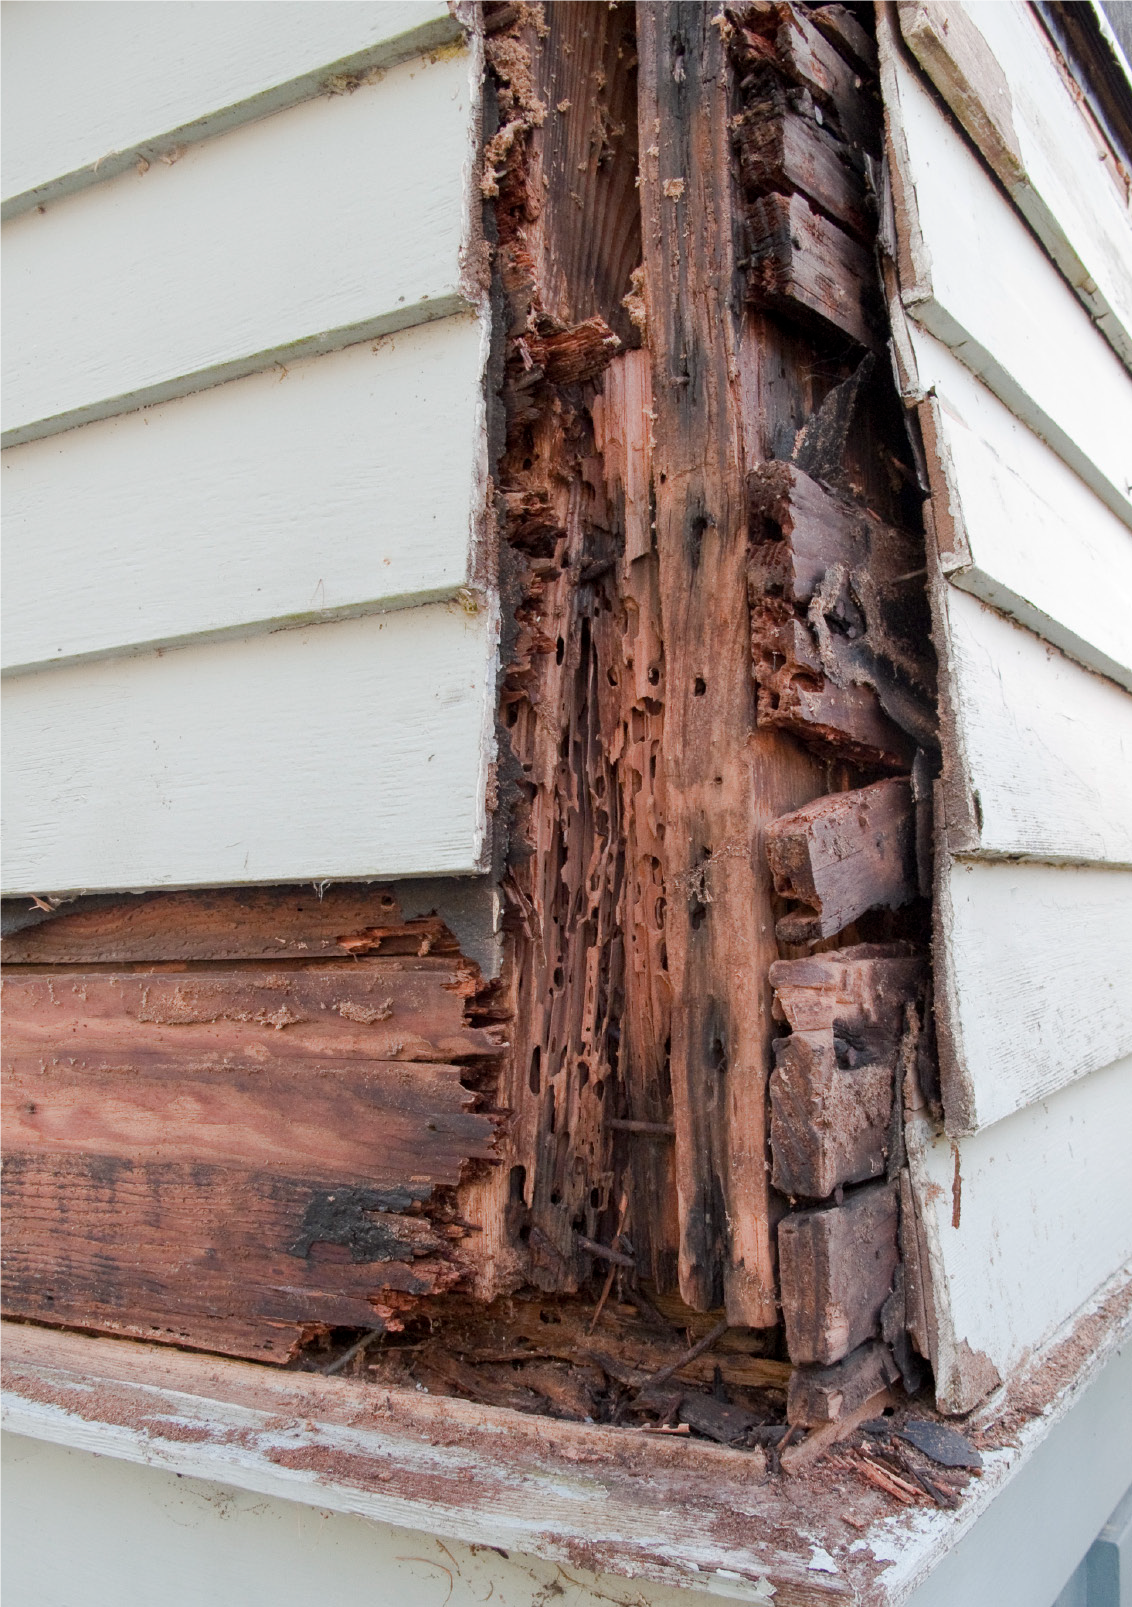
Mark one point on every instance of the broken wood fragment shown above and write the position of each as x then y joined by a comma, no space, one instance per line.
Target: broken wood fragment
843,855
785,37
830,1116
804,265
790,153
859,992
796,1459
837,1266
820,1395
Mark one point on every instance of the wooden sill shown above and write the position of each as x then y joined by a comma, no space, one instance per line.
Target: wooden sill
680,1512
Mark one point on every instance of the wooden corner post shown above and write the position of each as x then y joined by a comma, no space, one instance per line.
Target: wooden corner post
725,779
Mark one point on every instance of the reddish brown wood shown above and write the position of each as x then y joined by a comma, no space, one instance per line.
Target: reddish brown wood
837,1267
842,855
820,1395
860,992
830,1122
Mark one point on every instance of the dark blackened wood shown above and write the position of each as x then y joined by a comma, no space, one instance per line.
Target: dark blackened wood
859,992
216,1257
723,778
229,923
839,25
830,1121
781,35
820,1395
842,855
803,265
837,1267
789,152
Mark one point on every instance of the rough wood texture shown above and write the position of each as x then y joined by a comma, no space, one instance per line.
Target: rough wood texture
860,992
839,627
820,1395
830,1114
787,37
801,263
842,855
781,151
723,779
837,1267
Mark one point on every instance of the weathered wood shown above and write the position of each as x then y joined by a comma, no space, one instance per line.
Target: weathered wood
1005,505
843,31
217,1257
786,37
842,855
837,1267
820,1395
228,923
860,992
798,1459
804,265
84,344
830,1114
350,484
791,153
724,780
839,626
232,761
84,103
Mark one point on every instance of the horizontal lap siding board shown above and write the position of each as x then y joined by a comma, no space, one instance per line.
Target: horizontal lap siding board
343,218
344,483
1034,978
975,277
1045,745
1023,1224
126,79
997,70
356,749
1014,512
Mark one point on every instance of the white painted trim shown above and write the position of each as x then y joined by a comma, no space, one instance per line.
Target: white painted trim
88,89
975,278
1026,534
351,750
1045,746
346,484
284,238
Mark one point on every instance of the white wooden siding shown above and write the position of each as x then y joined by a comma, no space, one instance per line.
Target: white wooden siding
340,219
1018,511
345,482
1036,971
355,749
978,280
128,79
1010,95
1046,745
1044,1219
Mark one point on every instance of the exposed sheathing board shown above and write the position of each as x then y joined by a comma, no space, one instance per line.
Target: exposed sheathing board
1022,409
235,1121
246,395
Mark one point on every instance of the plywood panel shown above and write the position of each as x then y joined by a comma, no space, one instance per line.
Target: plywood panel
356,749
87,89
996,68
1024,1222
1032,982
1046,746
973,275
1018,528
346,482
341,218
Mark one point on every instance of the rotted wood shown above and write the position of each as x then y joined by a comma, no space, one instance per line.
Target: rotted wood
839,634
837,1267
782,150
228,923
843,855
724,779
804,265
820,1395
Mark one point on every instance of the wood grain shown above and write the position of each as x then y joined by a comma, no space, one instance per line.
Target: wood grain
837,1267
802,264
282,498
232,762
88,93
117,297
